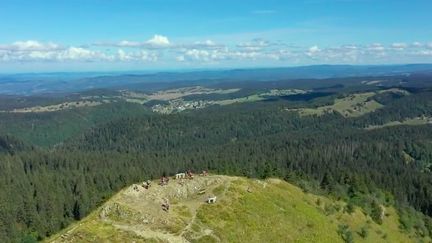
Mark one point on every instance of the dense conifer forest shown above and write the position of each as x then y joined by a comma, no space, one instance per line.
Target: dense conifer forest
43,189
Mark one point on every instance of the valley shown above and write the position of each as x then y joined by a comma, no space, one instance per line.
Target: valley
332,159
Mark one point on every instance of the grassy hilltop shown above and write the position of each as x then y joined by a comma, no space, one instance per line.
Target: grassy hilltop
247,210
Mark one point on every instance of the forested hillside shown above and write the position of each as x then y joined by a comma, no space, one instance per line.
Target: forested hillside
42,190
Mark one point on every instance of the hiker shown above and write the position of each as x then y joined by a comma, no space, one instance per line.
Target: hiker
146,185
164,181
181,182
190,174
165,205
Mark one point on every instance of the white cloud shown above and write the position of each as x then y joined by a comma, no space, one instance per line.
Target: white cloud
180,58
126,43
417,44
313,51
39,55
200,55
159,40
25,51
122,56
350,47
78,53
136,56
206,43
254,43
31,45
257,51
231,54
147,56
399,46
425,53
376,47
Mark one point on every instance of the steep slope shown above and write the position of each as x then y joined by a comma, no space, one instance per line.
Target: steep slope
246,210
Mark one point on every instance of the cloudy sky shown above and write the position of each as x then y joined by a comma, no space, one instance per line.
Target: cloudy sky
115,35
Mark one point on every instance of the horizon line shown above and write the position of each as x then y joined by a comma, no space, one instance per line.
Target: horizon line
185,70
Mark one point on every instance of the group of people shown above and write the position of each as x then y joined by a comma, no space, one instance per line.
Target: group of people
179,176
164,181
145,185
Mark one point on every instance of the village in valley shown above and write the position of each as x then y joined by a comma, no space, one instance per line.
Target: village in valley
179,105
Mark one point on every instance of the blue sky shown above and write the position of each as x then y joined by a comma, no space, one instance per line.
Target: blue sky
104,35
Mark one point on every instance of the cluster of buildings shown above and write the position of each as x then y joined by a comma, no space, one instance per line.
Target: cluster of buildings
179,105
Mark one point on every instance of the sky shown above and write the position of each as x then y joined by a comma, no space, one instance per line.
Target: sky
121,35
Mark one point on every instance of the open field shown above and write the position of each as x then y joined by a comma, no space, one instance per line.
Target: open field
246,210
395,90
408,122
353,105
181,92
62,106
251,98
261,96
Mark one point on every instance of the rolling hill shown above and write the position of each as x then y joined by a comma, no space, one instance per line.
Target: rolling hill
246,210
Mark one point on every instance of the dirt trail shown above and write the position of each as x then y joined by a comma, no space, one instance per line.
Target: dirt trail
151,234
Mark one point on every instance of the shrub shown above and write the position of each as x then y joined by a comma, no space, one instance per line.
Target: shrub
345,233
363,232
349,208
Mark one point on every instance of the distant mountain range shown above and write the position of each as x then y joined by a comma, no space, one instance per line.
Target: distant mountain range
42,83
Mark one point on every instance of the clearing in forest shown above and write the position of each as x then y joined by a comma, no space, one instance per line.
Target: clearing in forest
417,121
353,105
